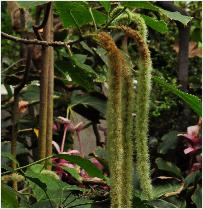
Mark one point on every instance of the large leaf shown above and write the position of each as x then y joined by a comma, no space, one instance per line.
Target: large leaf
169,141
197,197
168,166
31,93
87,165
9,156
77,13
106,5
167,189
8,197
73,172
192,178
46,185
158,25
78,75
161,204
193,101
176,16
140,5
148,5
88,100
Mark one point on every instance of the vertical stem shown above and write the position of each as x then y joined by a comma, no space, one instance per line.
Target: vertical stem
44,92
14,134
50,92
64,138
79,142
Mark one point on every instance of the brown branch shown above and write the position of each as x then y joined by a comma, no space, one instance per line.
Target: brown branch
50,92
37,42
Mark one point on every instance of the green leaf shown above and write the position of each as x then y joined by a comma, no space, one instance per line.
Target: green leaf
193,101
161,190
168,166
76,59
140,5
147,5
31,93
30,4
176,16
78,75
77,13
169,141
177,201
73,172
106,5
9,156
8,197
158,25
192,178
161,204
197,197
88,100
87,165
44,182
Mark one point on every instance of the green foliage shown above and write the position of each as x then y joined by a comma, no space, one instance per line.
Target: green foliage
161,204
30,4
8,197
193,178
87,165
73,172
161,190
169,141
75,14
106,5
168,166
88,100
150,6
158,25
193,101
197,197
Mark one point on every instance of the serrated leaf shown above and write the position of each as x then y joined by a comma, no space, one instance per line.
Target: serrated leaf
8,197
87,165
193,101
168,166
158,25
169,141
176,16
197,197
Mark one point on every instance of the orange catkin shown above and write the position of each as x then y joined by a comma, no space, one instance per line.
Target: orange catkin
114,118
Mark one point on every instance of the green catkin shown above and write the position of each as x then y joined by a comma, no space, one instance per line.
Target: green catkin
129,17
127,119
114,119
142,110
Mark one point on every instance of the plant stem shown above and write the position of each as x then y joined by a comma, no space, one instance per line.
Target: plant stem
26,166
64,138
50,91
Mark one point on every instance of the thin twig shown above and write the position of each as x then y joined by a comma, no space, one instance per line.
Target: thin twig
25,166
37,42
